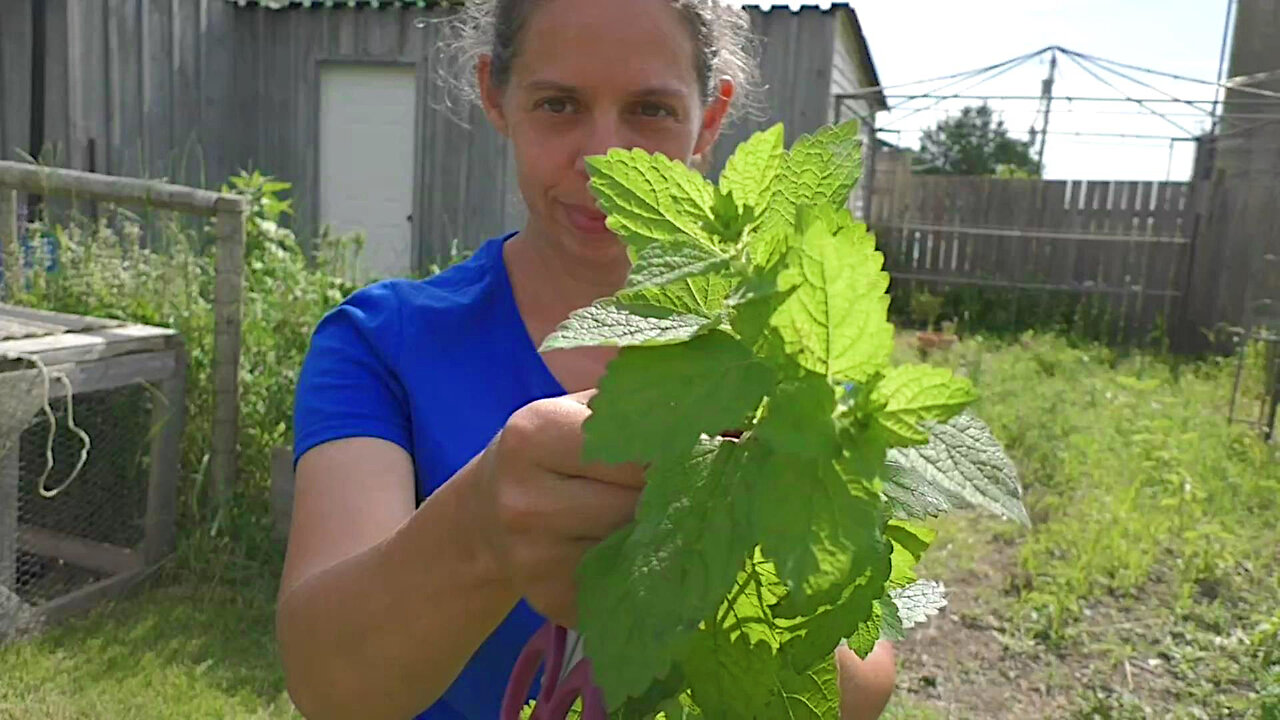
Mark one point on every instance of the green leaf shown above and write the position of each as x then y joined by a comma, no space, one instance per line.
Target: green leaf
683,275
909,543
610,323
654,402
798,419
650,198
751,170
659,265
962,465
863,640
835,320
910,395
813,525
918,601
733,678
890,622
811,637
820,170
664,573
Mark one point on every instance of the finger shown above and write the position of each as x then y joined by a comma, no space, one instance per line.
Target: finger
576,507
556,445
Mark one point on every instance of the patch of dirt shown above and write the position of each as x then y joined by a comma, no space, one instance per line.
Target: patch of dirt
966,662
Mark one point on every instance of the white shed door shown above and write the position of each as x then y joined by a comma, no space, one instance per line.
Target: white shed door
366,161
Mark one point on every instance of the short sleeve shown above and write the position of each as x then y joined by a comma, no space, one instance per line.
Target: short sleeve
350,385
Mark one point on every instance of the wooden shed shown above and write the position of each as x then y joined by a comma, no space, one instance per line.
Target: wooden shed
336,97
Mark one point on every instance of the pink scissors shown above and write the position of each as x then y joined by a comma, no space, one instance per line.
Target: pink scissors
561,684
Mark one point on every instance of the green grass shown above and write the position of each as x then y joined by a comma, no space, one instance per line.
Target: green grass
1155,536
178,649
1156,524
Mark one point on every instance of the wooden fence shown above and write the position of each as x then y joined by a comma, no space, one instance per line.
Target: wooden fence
229,212
1124,243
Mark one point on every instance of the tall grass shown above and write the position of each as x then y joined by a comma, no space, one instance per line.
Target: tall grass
158,268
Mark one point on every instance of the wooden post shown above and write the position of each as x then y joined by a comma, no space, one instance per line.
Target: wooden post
169,413
228,287
10,251
281,491
9,518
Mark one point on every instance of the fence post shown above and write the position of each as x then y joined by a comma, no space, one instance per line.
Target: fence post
226,345
10,252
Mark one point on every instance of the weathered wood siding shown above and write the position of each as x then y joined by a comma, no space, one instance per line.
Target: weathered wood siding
796,63
465,189
15,78
131,87
194,90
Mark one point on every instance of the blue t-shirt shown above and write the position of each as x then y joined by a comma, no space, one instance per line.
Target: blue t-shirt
435,366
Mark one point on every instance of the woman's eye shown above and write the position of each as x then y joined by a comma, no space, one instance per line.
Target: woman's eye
655,110
555,106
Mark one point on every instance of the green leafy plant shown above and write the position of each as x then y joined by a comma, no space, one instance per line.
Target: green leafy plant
792,461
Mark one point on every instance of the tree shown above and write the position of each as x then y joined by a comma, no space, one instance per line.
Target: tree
974,142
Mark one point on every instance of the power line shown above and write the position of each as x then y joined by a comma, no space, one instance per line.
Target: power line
1003,68
1037,98
1111,85
1143,83
1064,133
1184,78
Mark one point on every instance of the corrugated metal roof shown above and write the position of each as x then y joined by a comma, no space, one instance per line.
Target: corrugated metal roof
792,5
281,4
765,5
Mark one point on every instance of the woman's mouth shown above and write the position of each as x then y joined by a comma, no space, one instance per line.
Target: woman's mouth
586,220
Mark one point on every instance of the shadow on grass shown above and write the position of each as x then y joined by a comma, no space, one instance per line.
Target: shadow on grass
169,648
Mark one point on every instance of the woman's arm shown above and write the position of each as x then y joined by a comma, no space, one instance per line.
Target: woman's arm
865,685
380,605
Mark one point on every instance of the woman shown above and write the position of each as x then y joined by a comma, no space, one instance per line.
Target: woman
441,508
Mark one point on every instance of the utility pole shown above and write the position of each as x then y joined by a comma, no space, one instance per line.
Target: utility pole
1046,104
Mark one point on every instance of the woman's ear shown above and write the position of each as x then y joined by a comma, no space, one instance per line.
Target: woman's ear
490,95
713,117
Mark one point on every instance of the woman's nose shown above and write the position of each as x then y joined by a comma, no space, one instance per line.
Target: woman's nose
604,134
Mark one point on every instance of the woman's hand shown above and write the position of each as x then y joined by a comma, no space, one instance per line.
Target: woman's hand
538,508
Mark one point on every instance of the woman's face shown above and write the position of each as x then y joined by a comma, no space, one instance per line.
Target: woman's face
591,75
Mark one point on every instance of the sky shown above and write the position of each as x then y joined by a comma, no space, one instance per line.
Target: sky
912,40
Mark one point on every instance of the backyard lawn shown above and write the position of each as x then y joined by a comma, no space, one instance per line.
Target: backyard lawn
1149,586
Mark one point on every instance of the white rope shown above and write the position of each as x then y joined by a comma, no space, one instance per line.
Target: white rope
47,376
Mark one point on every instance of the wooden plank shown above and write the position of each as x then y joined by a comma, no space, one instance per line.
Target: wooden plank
309,28
81,552
154,50
482,216
168,412
813,49
91,345
282,483
149,366
228,288
90,86
184,71
124,38
64,321
89,597
379,30
344,23
15,79
57,74
226,91
1052,216
9,513
131,191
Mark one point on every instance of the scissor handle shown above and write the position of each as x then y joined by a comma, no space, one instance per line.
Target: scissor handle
546,649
